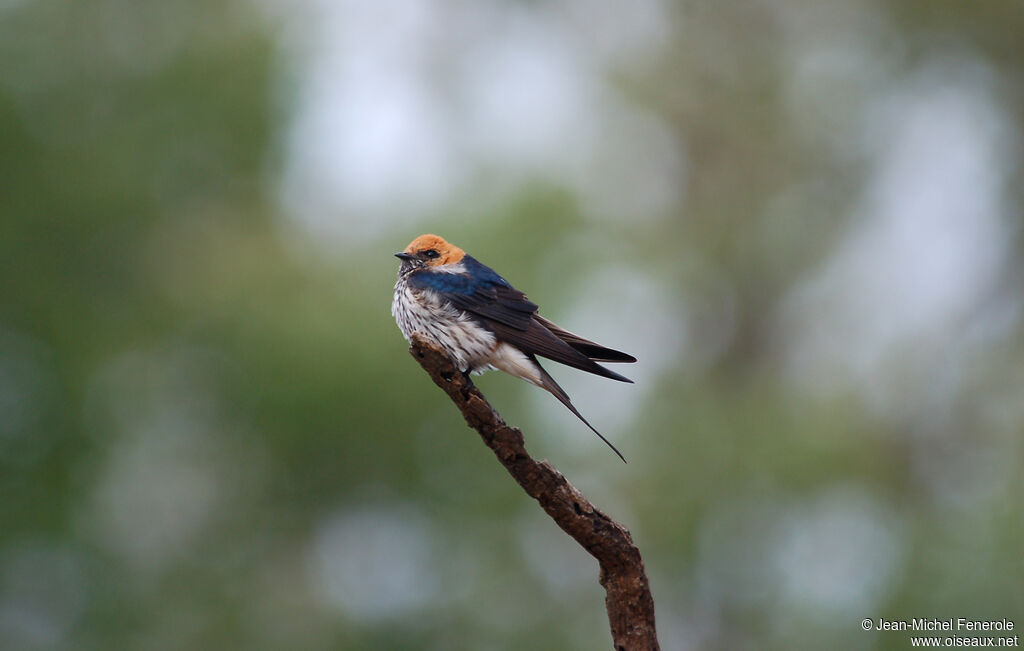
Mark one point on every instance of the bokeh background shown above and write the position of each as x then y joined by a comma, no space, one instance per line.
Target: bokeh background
803,218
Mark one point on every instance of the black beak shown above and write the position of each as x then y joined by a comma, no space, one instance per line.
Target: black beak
404,256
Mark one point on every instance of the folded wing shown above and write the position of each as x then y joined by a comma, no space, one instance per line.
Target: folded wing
506,311
592,350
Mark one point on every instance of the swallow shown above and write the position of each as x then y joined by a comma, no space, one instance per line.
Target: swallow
484,323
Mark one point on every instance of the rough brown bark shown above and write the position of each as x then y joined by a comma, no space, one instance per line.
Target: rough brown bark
628,595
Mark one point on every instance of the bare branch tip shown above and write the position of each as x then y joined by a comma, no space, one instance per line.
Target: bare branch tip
628,598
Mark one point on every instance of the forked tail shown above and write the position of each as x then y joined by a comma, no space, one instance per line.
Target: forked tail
549,383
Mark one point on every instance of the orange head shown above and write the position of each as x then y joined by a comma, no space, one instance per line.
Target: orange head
431,251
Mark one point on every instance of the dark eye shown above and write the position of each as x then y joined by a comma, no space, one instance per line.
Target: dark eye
431,254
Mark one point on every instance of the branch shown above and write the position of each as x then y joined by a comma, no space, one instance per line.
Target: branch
628,599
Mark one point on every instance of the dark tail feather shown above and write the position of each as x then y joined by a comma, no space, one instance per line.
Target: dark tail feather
549,383
538,340
594,351
601,354
590,366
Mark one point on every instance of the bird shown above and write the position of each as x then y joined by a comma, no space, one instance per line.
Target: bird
484,323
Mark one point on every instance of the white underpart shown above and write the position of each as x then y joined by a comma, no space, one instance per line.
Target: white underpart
512,360
470,345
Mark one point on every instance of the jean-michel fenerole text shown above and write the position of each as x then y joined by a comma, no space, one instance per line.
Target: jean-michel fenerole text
952,624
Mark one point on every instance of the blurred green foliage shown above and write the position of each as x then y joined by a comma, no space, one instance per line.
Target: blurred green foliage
210,428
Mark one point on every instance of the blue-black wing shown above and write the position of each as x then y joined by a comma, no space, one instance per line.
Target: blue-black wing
480,291
506,312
